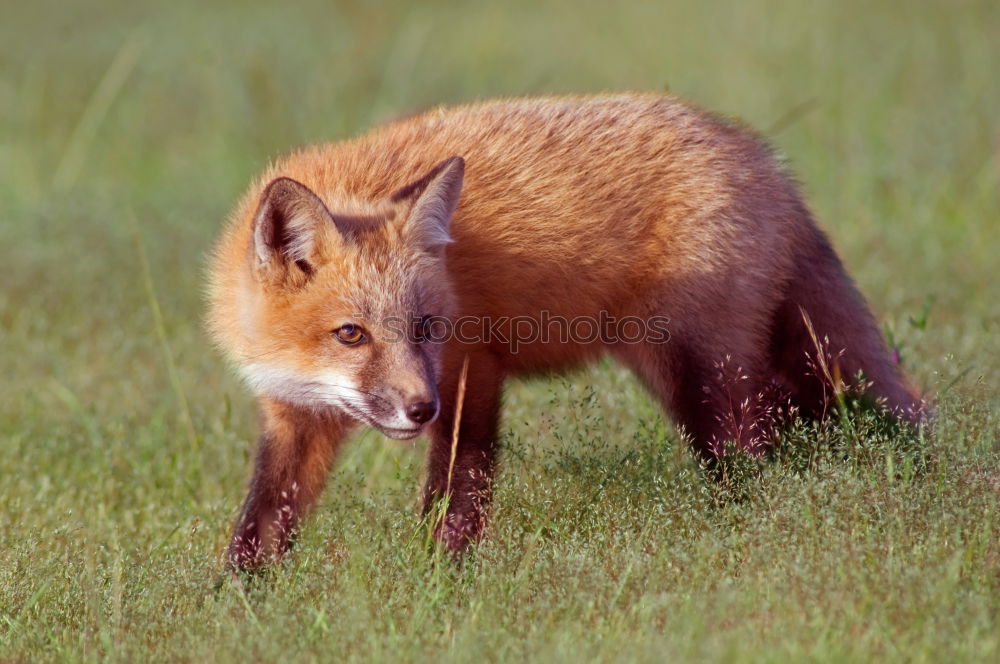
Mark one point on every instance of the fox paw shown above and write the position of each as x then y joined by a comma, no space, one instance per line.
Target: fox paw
458,532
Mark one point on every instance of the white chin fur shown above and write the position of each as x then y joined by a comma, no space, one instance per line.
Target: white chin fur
329,389
401,434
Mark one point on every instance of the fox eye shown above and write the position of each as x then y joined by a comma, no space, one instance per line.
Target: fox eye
350,334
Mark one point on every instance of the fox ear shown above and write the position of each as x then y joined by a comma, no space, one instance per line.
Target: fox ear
288,232
435,197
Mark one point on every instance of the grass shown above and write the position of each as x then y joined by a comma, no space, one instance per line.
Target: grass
127,130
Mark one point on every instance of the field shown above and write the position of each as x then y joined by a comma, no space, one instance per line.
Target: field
128,130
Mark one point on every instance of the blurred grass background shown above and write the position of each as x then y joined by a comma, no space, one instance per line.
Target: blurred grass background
127,131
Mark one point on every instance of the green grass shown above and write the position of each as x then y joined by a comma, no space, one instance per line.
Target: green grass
126,442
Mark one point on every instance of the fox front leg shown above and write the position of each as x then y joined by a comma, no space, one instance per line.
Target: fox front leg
293,460
461,472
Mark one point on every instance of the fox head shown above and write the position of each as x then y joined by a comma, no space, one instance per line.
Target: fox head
329,308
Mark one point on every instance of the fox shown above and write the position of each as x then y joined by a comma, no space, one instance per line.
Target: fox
329,283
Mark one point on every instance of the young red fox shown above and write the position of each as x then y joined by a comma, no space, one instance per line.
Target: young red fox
478,225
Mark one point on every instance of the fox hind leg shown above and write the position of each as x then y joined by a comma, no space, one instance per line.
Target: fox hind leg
715,396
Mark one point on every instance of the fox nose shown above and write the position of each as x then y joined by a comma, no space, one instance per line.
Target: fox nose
422,411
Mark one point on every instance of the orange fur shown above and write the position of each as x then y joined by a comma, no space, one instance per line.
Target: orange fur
632,204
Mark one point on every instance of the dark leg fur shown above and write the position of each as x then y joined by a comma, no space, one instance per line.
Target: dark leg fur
469,491
715,400
293,460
